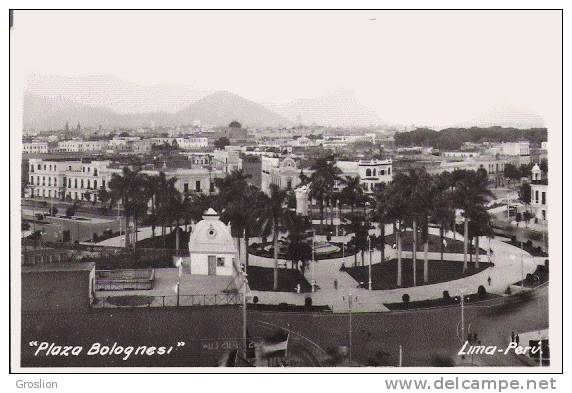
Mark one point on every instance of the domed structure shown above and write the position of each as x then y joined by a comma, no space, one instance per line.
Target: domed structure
211,247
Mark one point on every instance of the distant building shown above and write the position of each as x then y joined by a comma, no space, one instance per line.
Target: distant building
35,147
539,195
371,172
235,133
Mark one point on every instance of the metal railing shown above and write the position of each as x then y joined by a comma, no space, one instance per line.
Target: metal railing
145,301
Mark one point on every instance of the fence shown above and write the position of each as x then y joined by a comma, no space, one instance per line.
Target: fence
144,301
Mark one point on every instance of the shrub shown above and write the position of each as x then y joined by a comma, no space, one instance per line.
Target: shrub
405,298
255,300
283,306
546,264
508,291
446,295
308,302
481,291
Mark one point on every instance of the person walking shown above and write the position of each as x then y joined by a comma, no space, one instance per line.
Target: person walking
511,337
489,280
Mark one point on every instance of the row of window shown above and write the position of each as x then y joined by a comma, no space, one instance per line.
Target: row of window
55,181
373,172
81,183
45,167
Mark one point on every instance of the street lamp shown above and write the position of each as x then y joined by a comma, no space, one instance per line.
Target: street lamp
244,290
179,273
462,315
369,267
350,304
313,259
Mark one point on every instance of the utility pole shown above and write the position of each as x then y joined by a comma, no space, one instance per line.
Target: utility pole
350,303
313,259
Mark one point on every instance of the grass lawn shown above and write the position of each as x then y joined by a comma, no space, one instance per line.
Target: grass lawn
157,241
453,246
347,251
384,275
262,279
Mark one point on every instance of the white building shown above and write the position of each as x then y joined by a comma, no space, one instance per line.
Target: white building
371,172
211,248
192,143
539,195
35,147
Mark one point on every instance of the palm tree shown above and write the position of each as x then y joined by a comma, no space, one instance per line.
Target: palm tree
322,181
271,215
414,187
443,215
471,193
127,189
165,201
153,190
480,225
352,192
382,214
298,248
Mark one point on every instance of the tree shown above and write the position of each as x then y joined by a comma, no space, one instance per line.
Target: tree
271,216
128,189
325,174
357,226
544,165
298,248
414,187
382,213
221,143
479,225
471,193
511,172
353,191
443,213
525,193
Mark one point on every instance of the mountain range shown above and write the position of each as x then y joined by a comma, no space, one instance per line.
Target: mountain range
52,101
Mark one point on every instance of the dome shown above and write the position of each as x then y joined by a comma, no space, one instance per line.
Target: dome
235,124
211,235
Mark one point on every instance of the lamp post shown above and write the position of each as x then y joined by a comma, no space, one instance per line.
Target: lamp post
521,266
462,316
313,259
244,291
179,273
369,267
350,304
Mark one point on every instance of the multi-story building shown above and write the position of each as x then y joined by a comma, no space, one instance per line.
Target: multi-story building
81,180
192,143
76,146
370,172
35,147
539,195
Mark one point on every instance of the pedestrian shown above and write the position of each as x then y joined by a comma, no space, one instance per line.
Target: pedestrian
444,243
517,339
298,288
511,337
489,280
336,284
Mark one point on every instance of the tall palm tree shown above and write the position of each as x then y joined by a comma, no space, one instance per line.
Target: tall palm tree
480,225
298,248
382,214
471,193
414,187
352,192
271,215
152,189
325,174
443,215
127,189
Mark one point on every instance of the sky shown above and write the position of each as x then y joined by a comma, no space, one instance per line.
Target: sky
411,67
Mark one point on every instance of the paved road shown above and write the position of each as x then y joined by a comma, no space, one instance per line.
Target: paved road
427,336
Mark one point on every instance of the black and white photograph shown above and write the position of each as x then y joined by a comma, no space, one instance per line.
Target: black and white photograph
298,189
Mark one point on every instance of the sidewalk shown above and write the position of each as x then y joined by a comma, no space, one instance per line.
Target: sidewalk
507,270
